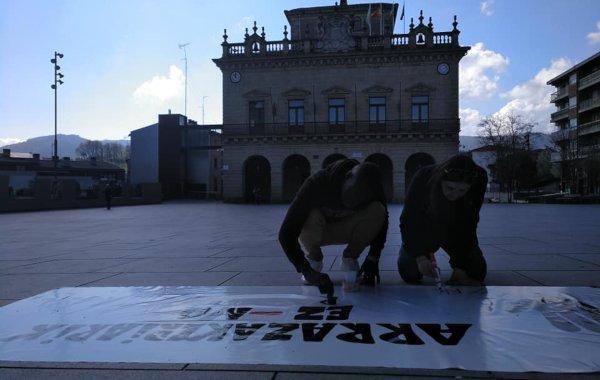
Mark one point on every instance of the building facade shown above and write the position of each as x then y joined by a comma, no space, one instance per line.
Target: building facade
577,118
184,157
341,84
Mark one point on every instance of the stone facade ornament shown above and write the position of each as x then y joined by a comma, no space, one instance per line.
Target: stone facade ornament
377,89
334,34
296,93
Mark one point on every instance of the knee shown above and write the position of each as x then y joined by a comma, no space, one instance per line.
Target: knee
408,268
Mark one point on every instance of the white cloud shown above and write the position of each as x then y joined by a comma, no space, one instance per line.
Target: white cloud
243,23
469,118
479,72
594,37
531,99
162,88
9,140
486,7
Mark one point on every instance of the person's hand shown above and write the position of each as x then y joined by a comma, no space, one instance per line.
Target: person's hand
319,279
426,266
369,273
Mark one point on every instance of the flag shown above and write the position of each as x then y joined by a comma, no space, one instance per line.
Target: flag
402,14
368,19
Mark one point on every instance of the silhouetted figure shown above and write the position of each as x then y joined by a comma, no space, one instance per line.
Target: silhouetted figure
342,204
108,194
441,209
256,194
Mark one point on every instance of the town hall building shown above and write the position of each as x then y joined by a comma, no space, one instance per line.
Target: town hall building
339,84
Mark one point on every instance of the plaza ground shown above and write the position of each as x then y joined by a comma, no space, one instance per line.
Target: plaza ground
215,244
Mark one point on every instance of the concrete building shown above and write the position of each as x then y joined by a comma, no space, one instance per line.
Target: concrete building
577,118
341,85
184,157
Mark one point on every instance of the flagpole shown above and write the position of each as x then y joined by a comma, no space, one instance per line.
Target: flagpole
404,17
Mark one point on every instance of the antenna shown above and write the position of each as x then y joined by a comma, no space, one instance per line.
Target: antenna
182,46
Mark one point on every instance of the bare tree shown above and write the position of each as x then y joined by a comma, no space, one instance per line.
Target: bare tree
109,152
509,137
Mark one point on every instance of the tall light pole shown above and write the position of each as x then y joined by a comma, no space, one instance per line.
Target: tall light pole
203,97
182,46
57,81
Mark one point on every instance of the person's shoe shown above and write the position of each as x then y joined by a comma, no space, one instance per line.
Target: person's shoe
316,266
350,268
460,277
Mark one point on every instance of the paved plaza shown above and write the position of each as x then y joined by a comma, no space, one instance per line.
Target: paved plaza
214,244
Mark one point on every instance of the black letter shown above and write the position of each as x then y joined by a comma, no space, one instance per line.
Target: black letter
282,331
338,313
244,330
362,329
456,331
308,331
403,329
235,313
309,313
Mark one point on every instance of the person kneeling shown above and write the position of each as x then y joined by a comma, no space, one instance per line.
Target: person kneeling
441,209
341,204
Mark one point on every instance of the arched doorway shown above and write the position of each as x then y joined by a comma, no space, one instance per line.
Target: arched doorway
257,175
296,169
387,171
331,159
413,164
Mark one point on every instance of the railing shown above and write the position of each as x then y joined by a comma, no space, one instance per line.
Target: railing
399,40
375,42
560,114
350,127
590,79
236,49
444,38
590,149
589,104
589,128
562,134
558,94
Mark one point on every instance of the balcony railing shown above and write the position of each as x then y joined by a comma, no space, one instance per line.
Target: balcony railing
589,104
589,128
560,114
560,93
350,127
589,80
563,134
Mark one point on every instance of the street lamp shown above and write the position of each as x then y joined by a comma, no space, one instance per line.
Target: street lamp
182,46
57,81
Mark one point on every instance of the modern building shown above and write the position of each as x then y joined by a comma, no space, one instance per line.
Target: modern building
27,174
577,118
184,157
339,84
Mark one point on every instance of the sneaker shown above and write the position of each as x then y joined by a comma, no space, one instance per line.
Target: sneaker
350,268
316,266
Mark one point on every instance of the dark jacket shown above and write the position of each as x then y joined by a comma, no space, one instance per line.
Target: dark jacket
429,220
322,190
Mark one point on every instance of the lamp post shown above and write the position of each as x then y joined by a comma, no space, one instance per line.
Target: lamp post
204,97
57,81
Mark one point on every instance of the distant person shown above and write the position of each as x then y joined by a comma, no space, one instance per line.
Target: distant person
108,194
256,195
342,204
441,209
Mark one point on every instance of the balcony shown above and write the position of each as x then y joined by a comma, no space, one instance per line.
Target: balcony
559,94
560,114
589,104
563,134
589,128
348,128
589,150
589,80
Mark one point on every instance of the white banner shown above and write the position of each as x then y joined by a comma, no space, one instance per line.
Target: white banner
508,329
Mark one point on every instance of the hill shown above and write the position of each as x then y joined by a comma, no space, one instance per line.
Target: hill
67,144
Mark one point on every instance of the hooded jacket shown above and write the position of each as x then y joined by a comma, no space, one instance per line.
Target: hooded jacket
429,220
322,190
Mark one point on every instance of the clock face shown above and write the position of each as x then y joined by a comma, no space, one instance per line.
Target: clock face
443,68
235,77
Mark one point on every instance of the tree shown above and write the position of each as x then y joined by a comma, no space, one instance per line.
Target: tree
110,152
509,137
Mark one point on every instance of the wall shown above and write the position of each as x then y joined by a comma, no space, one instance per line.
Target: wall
144,155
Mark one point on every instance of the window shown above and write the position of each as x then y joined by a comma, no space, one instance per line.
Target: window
420,109
572,102
296,112
572,123
337,110
573,79
257,113
376,110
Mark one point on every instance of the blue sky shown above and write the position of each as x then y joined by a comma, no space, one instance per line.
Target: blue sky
122,64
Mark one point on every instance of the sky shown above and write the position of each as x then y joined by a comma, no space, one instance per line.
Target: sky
123,66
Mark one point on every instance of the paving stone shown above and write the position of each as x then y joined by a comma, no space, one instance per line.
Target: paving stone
17,286
588,258
169,264
68,266
33,373
263,264
166,279
564,277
